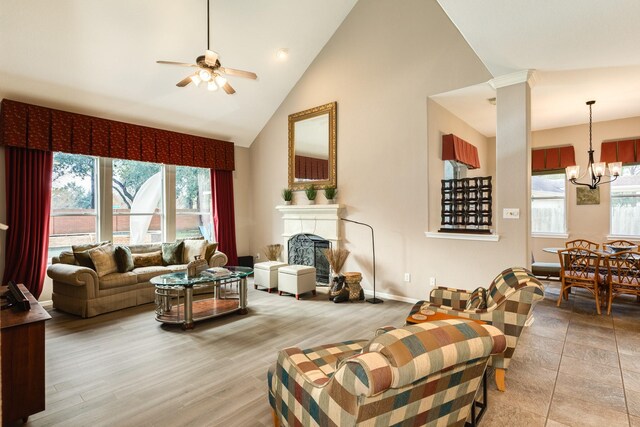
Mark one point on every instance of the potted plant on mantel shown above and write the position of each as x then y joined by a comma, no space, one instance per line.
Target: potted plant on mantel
287,196
330,194
311,193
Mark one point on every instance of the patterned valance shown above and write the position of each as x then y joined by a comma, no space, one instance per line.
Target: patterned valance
625,151
454,148
40,128
548,159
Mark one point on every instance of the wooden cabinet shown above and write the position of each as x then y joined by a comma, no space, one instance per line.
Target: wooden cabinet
22,335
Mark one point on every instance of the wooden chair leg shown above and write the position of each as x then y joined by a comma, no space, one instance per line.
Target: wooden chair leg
276,420
596,294
562,293
500,379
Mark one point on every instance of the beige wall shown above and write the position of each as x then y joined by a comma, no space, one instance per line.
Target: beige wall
381,66
590,222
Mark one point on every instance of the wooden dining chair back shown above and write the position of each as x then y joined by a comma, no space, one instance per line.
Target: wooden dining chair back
580,268
623,275
624,243
581,243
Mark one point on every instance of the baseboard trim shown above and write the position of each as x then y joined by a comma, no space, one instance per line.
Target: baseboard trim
392,297
46,304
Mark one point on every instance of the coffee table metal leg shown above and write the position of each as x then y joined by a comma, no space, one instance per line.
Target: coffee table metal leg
188,308
243,295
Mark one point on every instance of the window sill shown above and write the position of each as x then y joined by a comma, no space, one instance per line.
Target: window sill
550,235
622,237
462,236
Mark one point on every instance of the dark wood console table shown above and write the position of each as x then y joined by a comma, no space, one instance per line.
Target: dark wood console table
22,359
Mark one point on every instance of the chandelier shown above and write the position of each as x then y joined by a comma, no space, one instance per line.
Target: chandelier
596,170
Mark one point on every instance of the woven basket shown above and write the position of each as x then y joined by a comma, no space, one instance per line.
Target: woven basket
352,280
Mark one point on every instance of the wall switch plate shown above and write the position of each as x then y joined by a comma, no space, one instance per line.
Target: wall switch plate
432,281
407,277
511,213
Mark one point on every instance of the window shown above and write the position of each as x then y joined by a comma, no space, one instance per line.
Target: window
454,170
625,202
548,203
193,202
137,202
73,219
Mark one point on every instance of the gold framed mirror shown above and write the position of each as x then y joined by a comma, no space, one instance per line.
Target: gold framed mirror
312,147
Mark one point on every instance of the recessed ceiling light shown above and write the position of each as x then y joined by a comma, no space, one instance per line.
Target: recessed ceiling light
282,53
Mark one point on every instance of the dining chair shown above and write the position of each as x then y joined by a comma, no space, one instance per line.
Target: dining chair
580,268
623,275
582,243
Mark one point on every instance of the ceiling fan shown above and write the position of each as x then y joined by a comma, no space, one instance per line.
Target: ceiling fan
209,69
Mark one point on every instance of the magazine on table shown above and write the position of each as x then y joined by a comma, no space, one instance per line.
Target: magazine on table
219,271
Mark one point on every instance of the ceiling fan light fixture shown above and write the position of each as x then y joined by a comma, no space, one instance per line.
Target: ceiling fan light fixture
282,53
212,86
196,80
221,81
205,75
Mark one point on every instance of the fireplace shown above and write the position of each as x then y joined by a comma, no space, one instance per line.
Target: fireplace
307,249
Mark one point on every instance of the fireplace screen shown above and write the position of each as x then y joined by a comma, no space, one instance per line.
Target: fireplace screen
306,249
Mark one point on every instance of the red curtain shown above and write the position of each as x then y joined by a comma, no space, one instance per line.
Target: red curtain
224,222
28,182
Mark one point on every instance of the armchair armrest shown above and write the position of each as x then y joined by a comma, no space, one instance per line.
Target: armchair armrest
218,259
450,297
296,363
74,275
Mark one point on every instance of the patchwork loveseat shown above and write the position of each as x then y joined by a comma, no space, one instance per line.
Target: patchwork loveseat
425,374
81,290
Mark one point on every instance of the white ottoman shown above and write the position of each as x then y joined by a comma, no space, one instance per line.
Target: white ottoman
296,280
265,274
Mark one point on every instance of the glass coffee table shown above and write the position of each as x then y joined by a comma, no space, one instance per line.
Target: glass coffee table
174,296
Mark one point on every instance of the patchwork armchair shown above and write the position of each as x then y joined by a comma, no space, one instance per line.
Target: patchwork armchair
506,304
426,374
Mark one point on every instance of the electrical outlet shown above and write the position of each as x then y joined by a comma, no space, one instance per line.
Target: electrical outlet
258,255
432,281
513,213
407,277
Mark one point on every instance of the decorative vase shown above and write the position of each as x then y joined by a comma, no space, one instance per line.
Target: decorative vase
312,201
331,201
287,202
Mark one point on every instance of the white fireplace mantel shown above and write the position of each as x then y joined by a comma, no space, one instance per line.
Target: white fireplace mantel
321,220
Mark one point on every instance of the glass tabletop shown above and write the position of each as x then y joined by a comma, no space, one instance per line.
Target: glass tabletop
207,276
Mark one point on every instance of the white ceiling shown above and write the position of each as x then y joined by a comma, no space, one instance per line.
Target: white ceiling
98,57
581,49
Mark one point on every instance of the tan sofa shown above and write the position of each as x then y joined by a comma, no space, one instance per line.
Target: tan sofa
79,290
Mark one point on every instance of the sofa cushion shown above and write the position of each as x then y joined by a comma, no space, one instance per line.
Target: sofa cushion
147,259
145,274
172,252
193,248
81,252
117,280
144,248
124,260
104,260
210,250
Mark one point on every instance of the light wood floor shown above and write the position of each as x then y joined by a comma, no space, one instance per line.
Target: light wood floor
572,367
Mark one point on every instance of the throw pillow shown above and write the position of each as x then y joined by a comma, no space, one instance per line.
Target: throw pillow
172,253
193,248
103,259
124,260
81,253
67,257
210,250
147,259
477,300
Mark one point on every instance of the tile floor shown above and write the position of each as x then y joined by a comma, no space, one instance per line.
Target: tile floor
573,367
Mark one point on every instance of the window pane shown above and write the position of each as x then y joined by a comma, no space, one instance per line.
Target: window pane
625,202
548,203
73,217
137,190
193,202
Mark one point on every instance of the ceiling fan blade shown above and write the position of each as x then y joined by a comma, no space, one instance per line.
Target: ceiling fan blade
239,73
227,88
184,82
182,64
210,58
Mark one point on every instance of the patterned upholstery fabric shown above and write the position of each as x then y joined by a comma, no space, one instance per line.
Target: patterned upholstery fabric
510,300
478,299
425,374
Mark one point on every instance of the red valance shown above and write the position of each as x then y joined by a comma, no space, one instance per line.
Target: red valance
625,151
39,128
547,159
454,148
311,168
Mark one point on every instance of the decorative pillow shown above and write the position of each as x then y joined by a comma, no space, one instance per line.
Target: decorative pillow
210,250
104,260
172,253
193,248
67,257
147,259
124,260
81,252
477,300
